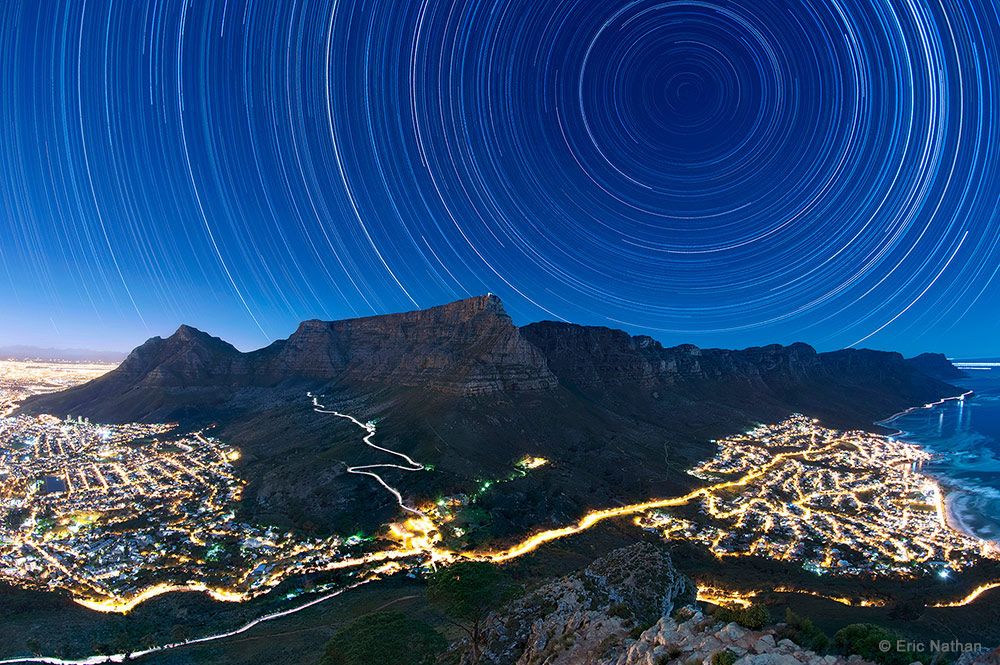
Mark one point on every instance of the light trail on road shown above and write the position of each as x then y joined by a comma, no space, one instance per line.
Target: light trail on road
596,516
419,538
366,469
123,657
969,598
719,596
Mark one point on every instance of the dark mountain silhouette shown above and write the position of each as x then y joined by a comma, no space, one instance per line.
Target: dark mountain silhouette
466,348
937,366
461,387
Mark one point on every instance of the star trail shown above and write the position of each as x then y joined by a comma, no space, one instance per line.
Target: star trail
719,172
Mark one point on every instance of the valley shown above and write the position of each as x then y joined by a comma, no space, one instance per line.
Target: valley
843,503
360,452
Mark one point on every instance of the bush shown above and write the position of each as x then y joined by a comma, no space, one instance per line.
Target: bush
725,657
467,592
384,637
804,632
753,617
863,639
620,610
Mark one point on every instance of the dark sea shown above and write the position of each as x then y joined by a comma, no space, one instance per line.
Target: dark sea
964,436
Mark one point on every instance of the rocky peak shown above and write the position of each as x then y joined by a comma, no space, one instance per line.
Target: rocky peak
630,607
187,333
936,365
188,336
695,637
188,357
574,619
469,346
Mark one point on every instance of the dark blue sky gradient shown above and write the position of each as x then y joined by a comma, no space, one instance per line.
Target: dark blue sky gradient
722,173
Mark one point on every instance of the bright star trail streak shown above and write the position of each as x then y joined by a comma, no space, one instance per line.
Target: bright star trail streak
717,172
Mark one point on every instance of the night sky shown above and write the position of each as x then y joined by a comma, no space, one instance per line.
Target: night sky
721,173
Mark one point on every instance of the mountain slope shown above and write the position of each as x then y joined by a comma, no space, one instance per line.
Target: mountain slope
469,347
850,387
462,388
937,366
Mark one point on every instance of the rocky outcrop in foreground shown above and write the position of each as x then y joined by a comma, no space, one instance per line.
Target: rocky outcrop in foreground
631,607
692,637
584,617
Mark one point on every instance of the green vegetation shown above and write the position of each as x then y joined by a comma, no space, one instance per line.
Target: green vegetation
724,657
466,593
864,639
754,617
804,632
385,637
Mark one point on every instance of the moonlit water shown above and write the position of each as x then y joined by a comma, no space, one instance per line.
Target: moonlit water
964,436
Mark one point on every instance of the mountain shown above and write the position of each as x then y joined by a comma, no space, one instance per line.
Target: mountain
470,347
937,366
848,388
461,387
27,352
633,606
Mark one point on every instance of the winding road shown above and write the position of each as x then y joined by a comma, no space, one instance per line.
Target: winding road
366,469
423,545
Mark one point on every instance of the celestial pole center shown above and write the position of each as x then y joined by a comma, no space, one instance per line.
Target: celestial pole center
721,172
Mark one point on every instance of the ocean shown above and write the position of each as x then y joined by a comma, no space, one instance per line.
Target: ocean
964,436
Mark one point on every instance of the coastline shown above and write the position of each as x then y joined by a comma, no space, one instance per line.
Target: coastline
955,504
958,503
930,405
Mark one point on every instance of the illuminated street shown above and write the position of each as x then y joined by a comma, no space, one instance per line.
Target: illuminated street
116,515
20,379
849,503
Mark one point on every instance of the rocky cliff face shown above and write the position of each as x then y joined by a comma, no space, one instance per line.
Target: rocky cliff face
937,366
630,607
583,618
470,347
850,387
602,359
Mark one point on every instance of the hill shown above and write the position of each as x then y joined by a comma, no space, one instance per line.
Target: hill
462,388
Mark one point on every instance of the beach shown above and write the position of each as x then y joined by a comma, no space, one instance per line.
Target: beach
963,436
961,511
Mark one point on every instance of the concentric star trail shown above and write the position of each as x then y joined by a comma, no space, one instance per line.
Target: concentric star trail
712,171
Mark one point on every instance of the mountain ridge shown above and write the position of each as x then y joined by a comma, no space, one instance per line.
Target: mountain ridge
469,347
461,388
28,352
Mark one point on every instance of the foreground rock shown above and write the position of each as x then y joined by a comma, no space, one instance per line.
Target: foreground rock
984,657
695,638
631,607
585,617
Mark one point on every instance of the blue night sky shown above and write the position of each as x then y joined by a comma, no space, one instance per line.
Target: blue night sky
721,173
